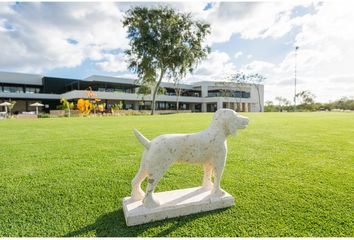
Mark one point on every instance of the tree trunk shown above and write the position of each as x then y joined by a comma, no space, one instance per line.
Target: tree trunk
153,104
238,103
259,99
177,99
177,105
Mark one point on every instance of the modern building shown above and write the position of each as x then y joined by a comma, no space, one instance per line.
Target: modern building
203,96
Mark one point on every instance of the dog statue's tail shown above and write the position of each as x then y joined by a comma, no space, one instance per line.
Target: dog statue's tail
143,140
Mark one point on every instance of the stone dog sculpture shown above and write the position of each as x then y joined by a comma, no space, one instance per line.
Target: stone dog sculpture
207,147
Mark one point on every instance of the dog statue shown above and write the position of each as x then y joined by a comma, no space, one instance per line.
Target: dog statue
207,147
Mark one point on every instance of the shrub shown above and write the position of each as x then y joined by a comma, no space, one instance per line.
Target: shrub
44,115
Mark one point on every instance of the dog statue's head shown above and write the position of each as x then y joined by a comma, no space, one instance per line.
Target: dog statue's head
229,121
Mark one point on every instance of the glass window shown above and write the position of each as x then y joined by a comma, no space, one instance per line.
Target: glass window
246,94
128,106
238,94
10,89
32,90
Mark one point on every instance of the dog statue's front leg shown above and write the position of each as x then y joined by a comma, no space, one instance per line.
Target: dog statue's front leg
218,171
208,171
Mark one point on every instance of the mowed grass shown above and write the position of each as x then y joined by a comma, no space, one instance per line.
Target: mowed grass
291,174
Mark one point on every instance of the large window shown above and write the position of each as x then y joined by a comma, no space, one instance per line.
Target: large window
11,89
32,90
236,94
246,94
128,90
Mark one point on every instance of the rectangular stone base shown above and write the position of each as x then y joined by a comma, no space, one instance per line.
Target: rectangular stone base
174,204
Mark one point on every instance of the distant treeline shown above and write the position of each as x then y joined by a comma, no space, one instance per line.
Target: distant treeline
283,105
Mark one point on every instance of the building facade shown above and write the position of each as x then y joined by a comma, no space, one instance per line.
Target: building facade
203,96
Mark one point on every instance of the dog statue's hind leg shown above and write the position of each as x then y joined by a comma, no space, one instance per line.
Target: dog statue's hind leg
137,192
149,200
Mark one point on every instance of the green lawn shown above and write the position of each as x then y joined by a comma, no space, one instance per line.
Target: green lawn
291,175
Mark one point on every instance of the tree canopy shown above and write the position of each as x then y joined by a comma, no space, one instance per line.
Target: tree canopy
164,43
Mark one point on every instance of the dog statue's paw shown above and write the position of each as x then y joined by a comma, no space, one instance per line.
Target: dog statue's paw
208,185
137,195
217,193
150,202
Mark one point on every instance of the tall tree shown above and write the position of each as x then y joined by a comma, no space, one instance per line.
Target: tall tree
179,91
227,90
307,100
253,79
256,80
163,43
147,88
11,106
239,79
283,102
306,97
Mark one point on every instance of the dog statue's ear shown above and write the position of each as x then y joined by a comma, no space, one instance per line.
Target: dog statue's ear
224,120
230,127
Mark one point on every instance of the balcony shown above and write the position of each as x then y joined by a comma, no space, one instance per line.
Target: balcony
237,94
130,96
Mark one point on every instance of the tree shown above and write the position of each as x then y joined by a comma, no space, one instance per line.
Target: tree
282,102
66,105
306,97
307,100
253,79
10,107
269,106
256,80
344,103
226,90
239,79
163,43
178,91
148,88
269,103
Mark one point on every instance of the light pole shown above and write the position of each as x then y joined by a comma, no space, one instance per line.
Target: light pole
296,48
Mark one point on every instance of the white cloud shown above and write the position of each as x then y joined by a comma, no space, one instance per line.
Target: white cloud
34,38
250,20
324,59
41,32
238,54
216,67
5,8
113,63
258,67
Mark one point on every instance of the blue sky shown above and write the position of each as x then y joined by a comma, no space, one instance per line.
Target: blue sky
76,40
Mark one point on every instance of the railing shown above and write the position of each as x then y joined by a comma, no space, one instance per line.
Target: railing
235,95
129,96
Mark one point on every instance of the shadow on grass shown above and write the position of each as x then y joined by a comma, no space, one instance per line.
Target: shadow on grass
113,225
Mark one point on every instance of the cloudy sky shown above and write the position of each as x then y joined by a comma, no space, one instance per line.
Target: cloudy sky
80,39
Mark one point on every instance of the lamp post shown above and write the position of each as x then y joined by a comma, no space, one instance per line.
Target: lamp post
295,68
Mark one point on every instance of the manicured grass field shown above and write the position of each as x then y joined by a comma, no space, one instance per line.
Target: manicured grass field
291,175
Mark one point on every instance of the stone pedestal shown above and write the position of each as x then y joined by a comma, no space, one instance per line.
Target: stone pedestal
174,204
